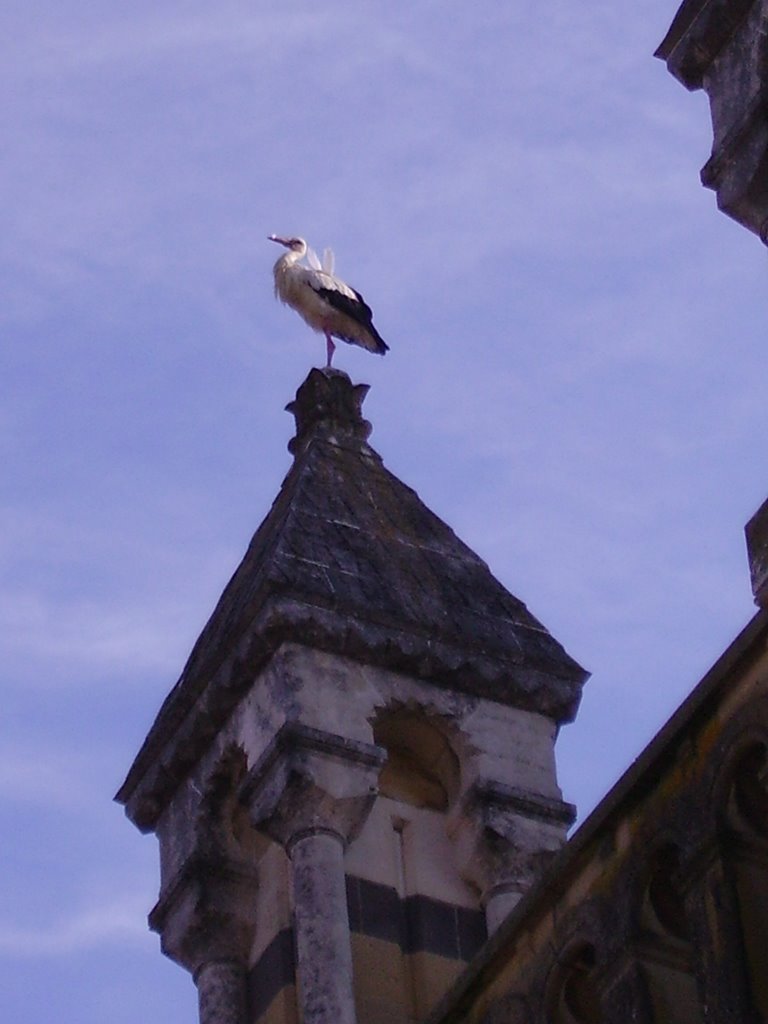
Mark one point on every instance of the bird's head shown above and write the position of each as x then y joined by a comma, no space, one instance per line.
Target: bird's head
294,244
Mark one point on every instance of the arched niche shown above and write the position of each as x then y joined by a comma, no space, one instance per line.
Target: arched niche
748,796
663,904
573,996
223,825
421,769
664,950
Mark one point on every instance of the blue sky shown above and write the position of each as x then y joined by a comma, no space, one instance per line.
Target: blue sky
575,381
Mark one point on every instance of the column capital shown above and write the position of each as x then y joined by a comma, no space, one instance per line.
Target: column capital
206,914
309,781
504,837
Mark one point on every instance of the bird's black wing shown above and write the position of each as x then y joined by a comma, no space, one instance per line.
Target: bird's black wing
356,308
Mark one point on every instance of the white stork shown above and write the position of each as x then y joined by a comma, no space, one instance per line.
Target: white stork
326,303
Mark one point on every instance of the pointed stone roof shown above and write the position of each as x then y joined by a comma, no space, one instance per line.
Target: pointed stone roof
350,560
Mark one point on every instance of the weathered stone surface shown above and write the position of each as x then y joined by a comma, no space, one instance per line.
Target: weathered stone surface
323,946
362,674
307,780
721,46
311,792
350,561
655,910
207,913
222,993
504,839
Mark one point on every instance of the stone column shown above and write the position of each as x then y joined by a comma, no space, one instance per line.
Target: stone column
221,992
311,792
504,837
205,919
322,927
499,902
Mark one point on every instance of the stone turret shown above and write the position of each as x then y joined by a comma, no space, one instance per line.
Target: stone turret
353,780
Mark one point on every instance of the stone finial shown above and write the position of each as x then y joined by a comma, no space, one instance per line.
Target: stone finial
756,532
329,406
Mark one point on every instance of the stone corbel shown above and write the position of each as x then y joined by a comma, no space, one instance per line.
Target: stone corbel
504,837
205,920
308,780
207,912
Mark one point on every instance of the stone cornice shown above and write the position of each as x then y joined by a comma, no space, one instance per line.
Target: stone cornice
488,793
698,33
309,782
193,714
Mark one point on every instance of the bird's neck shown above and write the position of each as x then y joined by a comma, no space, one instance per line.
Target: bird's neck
284,282
287,260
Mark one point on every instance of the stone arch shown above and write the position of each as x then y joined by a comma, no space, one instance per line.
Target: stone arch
663,937
570,988
747,729
422,767
746,795
410,909
662,909
572,993
222,824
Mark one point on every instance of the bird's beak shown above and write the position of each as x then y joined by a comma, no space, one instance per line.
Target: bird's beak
278,239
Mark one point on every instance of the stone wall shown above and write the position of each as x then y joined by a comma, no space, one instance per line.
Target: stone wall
656,912
348,840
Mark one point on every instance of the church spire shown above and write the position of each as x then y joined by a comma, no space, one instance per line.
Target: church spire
350,560
366,722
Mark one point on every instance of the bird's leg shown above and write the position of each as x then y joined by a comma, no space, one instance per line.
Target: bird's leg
330,348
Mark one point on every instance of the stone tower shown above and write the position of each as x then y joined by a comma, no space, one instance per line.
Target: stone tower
353,780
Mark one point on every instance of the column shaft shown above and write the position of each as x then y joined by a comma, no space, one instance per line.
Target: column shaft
324,953
499,903
221,992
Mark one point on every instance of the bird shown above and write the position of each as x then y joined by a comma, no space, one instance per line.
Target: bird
323,300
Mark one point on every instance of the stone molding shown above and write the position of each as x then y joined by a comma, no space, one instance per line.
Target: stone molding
610,919
308,781
207,912
505,836
719,46
487,793
698,33
190,719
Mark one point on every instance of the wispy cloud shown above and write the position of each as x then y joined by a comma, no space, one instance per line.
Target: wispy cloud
84,632
118,922
59,779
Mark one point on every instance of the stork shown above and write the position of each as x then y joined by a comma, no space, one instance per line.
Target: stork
324,301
